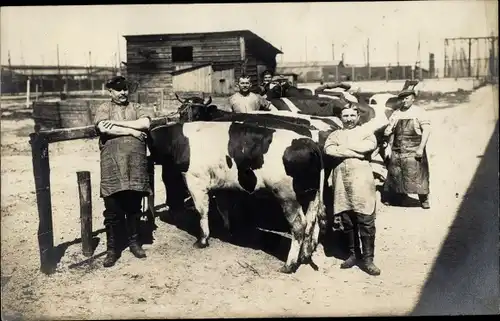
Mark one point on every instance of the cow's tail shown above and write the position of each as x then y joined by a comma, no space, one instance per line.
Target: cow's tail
316,215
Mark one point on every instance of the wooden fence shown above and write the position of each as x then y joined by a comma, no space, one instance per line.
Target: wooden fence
39,141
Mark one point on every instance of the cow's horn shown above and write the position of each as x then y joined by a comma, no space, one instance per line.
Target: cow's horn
177,96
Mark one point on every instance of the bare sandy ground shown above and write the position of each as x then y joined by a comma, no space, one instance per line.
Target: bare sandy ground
224,280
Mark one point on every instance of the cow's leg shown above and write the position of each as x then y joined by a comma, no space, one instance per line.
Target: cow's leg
175,188
315,213
296,219
201,199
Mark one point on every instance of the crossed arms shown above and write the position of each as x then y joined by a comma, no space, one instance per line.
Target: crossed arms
109,127
352,150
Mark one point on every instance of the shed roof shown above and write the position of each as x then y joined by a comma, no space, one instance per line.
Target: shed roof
247,34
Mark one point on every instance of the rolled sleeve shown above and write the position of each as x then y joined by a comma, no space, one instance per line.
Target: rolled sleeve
423,117
331,140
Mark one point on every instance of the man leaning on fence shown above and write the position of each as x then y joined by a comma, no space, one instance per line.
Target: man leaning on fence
122,127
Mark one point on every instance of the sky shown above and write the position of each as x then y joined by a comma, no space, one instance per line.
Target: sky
301,30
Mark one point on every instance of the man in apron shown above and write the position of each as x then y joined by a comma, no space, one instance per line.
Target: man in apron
122,127
407,166
354,196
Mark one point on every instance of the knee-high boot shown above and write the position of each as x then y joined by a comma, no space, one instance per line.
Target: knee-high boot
133,236
112,253
368,244
350,236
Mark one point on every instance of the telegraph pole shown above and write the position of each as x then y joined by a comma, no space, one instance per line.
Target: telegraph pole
306,48
90,72
469,62
58,69
368,59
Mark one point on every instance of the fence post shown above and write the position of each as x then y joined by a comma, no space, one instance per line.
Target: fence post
28,93
85,192
162,104
353,75
337,73
41,172
386,74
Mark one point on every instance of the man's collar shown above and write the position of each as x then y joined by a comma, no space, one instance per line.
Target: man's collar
120,104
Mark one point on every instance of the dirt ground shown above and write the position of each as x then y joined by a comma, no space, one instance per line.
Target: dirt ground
224,280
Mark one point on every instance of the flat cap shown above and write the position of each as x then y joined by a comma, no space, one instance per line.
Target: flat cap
117,83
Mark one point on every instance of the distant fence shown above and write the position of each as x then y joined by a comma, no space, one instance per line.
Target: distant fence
458,68
37,84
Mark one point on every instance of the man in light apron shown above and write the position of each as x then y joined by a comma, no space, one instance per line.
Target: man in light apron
122,127
354,197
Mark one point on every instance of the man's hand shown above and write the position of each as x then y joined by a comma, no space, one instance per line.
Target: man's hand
419,153
138,134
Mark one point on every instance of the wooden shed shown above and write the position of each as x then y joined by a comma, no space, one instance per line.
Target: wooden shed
201,62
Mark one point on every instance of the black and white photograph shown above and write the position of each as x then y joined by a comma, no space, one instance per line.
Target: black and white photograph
249,160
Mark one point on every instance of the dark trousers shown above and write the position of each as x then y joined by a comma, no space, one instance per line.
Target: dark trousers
355,223
121,217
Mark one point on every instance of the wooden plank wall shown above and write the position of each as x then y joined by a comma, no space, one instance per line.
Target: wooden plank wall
197,80
155,77
255,63
223,82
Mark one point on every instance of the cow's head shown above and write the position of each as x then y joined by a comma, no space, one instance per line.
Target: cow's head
195,109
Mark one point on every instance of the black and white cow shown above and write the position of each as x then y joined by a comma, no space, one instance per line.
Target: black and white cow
230,155
316,127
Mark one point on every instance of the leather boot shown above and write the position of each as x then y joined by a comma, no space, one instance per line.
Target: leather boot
133,234
368,244
351,260
112,254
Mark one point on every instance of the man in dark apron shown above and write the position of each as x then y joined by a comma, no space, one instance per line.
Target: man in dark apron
122,127
407,166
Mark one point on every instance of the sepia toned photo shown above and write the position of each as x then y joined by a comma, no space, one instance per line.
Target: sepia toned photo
249,160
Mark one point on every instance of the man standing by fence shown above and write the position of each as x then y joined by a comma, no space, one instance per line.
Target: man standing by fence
122,127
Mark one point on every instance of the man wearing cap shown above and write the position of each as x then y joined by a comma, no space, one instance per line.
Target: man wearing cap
122,127
408,168
246,101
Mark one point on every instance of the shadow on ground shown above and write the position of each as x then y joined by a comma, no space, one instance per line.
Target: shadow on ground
259,225
465,276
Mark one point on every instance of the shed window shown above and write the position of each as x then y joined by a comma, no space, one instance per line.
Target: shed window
182,54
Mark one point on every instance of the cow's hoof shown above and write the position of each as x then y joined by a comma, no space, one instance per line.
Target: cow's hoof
200,245
287,269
